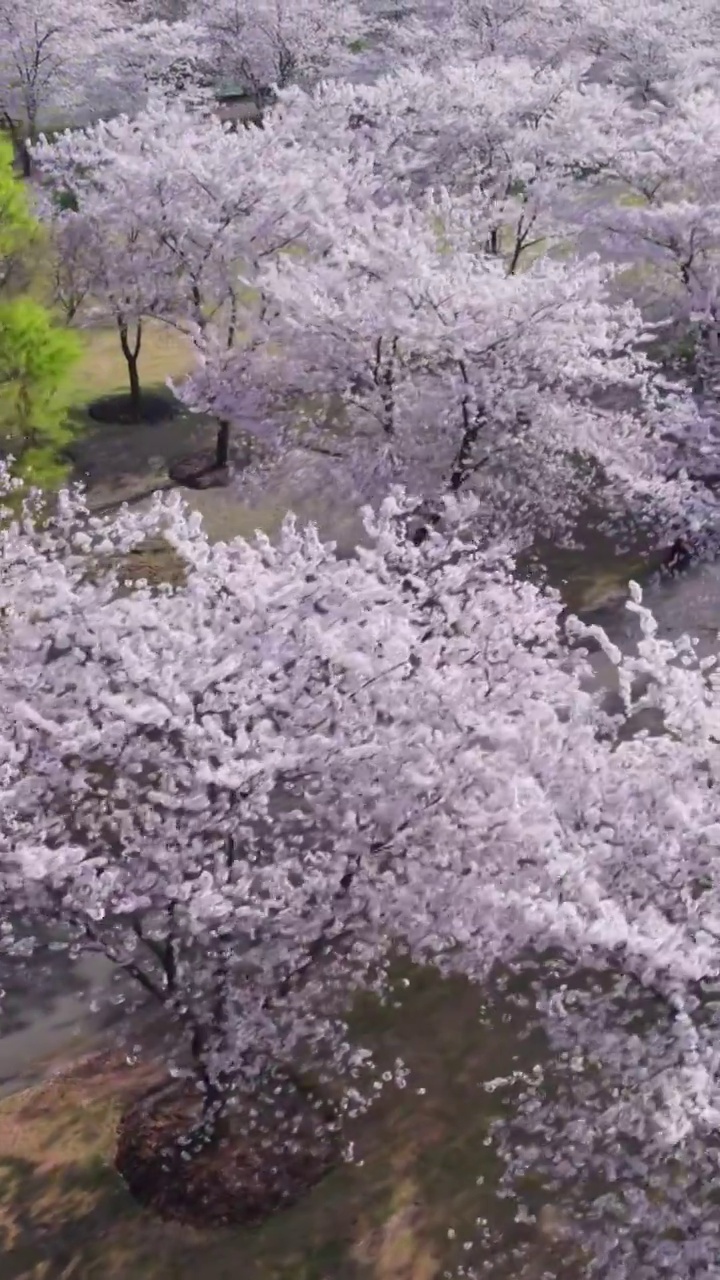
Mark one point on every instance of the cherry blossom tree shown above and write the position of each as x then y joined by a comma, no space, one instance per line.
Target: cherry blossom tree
107,267
454,371
649,48
658,218
247,789
434,30
42,45
666,180
264,44
620,1124
143,56
183,205
653,48
520,134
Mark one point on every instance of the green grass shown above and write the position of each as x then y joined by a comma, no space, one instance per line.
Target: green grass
632,200
119,461
124,462
102,370
589,583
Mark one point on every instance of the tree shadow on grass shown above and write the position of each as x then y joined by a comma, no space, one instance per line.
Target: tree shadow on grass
103,452
49,1215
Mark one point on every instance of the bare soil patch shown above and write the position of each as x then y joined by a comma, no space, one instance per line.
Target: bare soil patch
266,1157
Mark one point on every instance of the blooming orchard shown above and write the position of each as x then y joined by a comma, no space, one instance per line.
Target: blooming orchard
253,789
364,248
44,44
264,44
453,371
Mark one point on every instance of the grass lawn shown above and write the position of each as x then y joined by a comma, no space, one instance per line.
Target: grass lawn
596,578
165,353
65,1215
116,461
124,462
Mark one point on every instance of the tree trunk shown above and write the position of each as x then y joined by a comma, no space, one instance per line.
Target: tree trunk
131,352
460,469
222,444
473,419
25,158
20,144
384,379
215,1096
135,397
210,1127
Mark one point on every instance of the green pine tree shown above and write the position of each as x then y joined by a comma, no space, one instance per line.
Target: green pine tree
36,355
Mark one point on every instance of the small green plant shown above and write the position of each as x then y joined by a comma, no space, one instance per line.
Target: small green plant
685,349
66,201
36,355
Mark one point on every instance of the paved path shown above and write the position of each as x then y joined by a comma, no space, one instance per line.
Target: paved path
47,1008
